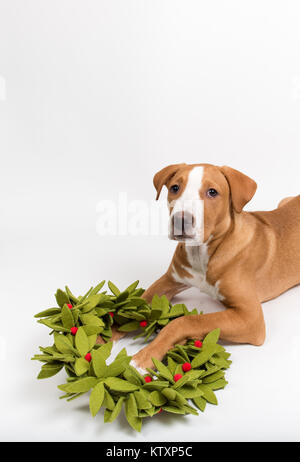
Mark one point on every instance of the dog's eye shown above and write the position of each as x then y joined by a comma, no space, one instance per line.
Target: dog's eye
174,188
212,192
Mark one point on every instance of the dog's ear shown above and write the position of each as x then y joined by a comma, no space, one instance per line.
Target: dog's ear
242,188
163,176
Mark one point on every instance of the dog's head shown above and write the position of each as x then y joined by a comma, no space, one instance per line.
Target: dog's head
202,199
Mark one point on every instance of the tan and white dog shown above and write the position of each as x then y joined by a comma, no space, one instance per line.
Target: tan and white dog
241,258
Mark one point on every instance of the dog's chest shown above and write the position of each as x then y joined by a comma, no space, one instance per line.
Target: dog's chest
198,258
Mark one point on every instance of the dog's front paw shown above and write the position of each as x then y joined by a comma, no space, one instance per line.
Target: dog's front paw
143,359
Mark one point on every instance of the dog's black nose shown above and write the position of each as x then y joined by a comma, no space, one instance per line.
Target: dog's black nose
183,224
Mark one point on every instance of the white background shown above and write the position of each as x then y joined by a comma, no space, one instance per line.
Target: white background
97,96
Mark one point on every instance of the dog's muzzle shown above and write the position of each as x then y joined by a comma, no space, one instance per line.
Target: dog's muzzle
182,226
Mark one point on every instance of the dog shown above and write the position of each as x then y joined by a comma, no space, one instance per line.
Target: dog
240,258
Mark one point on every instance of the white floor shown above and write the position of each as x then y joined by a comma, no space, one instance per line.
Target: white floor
261,402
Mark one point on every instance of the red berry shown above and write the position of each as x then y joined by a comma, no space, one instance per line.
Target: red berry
160,411
143,323
198,343
69,305
74,330
177,377
88,357
186,367
111,314
148,378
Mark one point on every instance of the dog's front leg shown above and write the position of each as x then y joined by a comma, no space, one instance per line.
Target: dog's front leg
165,285
240,324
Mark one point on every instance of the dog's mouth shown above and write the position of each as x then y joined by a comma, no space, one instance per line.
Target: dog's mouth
181,237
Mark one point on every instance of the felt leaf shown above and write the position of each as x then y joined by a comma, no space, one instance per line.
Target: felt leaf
108,401
130,377
92,302
51,325
141,400
114,289
81,366
212,337
131,413
156,385
67,317
92,341
91,319
117,384
82,341
117,409
116,368
213,377
96,398
132,287
189,392
81,385
218,384
48,312
174,409
129,326
208,394
163,370
200,403
155,303
91,329
107,415
169,393
205,354
62,343
49,370
61,298
97,288
122,296
99,364
157,398
176,310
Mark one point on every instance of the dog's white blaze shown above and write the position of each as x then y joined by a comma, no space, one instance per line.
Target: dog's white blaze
190,201
198,258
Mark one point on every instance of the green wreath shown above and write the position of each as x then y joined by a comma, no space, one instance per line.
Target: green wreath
189,373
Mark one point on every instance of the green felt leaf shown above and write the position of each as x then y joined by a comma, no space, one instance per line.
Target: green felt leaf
82,341
61,298
91,319
117,409
117,384
213,377
200,403
97,288
174,409
129,326
176,310
163,370
122,296
157,398
91,329
63,344
141,400
208,394
131,413
116,368
108,401
156,385
99,364
114,289
92,341
81,385
67,317
81,366
169,393
205,354
132,287
48,312
96,398
212,337
218,384
49,370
